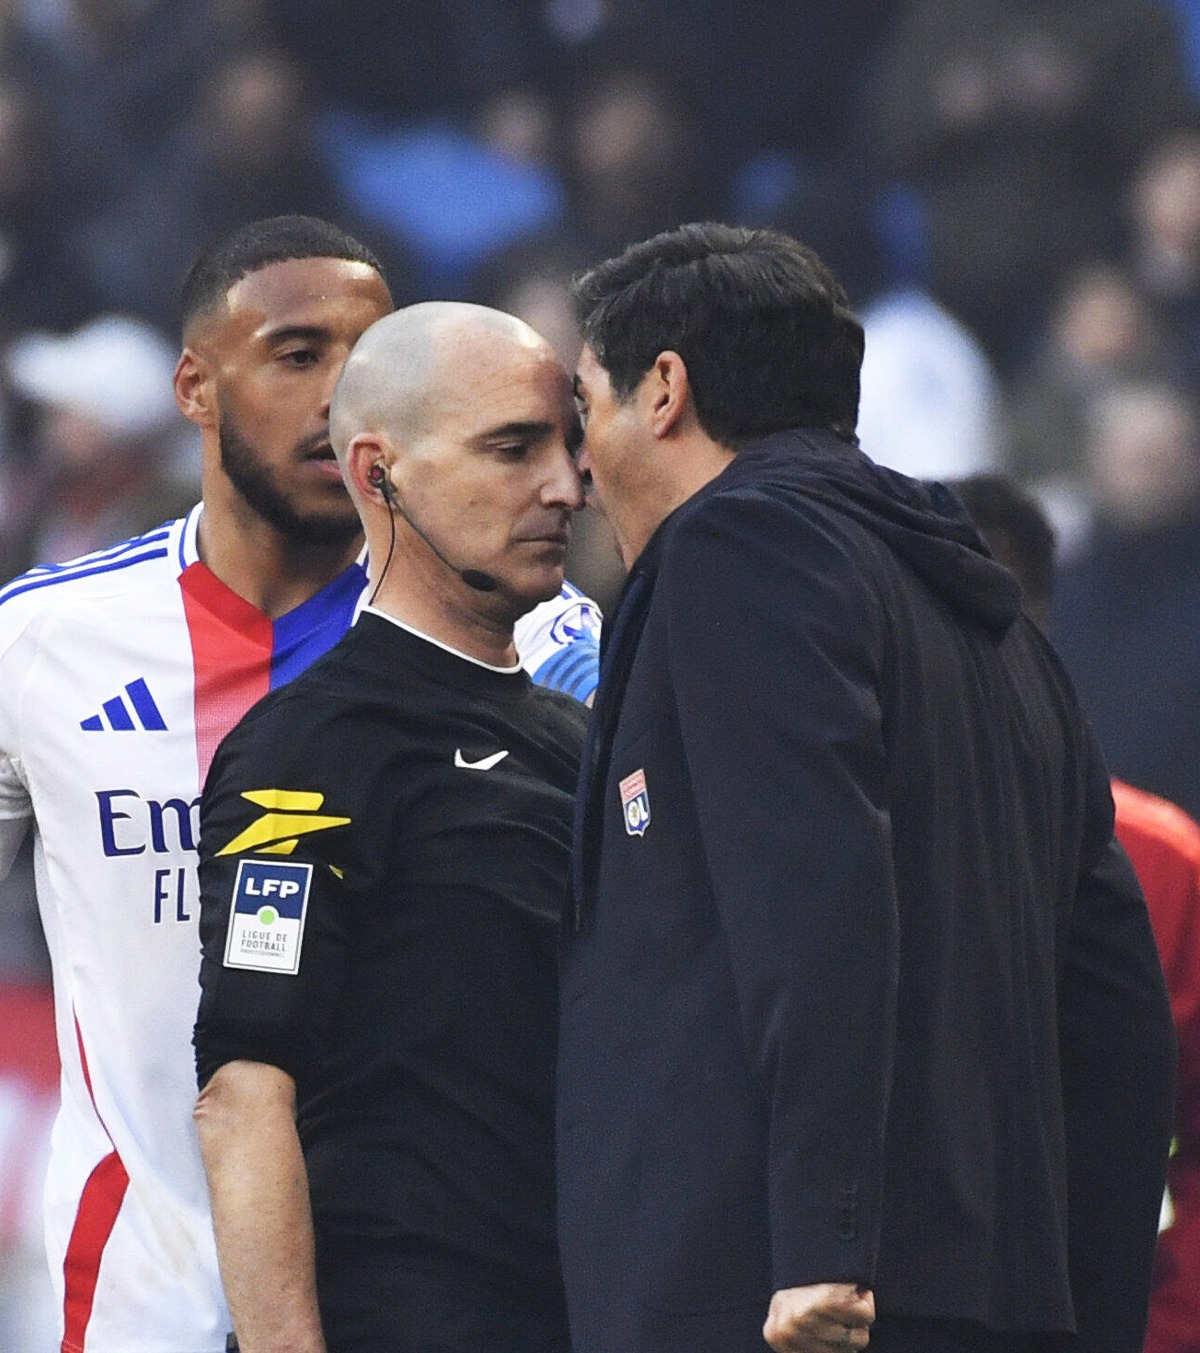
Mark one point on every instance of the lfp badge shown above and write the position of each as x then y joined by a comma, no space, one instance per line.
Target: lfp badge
266,924
635,803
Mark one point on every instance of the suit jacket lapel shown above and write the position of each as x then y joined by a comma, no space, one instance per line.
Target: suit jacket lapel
618,647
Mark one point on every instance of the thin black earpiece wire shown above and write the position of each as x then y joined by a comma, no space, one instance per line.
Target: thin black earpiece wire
388,560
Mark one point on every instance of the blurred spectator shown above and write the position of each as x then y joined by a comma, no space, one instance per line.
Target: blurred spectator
447,191
117,78
1163,247
429,124
112,457
1163,843
1125,611
40,281
629,160
246,153
626,160
1101,332
532,279
771,90
1018,533
398,65
619,166
1020,123
519,123
1165,216
759,77
843,221
1143,460
930,404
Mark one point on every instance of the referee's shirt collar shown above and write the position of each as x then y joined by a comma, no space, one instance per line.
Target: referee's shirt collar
437,643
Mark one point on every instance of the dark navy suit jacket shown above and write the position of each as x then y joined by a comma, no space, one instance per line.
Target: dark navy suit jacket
857,985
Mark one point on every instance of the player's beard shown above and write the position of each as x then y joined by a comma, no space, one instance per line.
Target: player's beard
259,486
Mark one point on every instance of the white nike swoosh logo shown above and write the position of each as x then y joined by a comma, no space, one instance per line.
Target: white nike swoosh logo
486,763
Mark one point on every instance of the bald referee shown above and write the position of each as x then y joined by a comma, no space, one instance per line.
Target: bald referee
384,854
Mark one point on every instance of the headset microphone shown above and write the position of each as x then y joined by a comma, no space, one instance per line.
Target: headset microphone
473,577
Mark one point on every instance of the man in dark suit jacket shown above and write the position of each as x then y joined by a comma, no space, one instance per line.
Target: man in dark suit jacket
862,1017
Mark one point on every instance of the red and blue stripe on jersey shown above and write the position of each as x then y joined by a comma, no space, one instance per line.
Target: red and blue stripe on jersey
238,654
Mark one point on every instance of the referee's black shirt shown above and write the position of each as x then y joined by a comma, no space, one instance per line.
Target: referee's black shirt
431,797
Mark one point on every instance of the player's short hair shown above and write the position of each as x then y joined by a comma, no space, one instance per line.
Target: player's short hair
1017,530
225,260
761,323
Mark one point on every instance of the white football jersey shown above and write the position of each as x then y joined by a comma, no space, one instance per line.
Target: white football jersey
119,674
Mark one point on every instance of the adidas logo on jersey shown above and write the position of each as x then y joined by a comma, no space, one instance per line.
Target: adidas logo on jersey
127,713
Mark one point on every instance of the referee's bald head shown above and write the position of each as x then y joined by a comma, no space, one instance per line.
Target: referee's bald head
409,363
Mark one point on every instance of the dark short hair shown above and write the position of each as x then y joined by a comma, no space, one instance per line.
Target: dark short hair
274,239
762,325
1016,529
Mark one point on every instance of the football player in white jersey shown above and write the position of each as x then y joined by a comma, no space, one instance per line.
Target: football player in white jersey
119,674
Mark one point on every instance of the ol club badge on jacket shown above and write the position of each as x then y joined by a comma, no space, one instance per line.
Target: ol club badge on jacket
635,803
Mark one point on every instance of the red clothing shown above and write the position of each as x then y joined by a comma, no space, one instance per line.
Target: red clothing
1163,843
28,1102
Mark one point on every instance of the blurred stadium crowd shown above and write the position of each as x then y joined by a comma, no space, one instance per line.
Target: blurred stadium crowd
1010,190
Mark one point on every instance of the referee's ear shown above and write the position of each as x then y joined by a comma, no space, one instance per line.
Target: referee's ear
193,390
366,466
